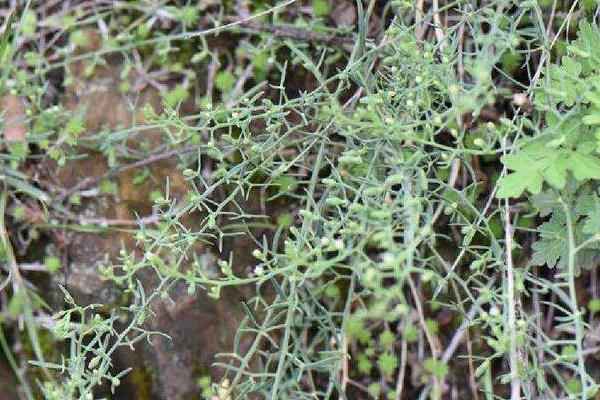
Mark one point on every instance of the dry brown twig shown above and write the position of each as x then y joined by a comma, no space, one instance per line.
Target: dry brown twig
90,182
291,32
15,125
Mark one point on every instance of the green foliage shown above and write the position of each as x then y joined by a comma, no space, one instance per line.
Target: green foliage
224,81
594,305
568,144
29,21
52,264
79,38
361,172
578,209
386,338
374,389
175,96
387,363
573,386
411,333
320,7
548,161
436,367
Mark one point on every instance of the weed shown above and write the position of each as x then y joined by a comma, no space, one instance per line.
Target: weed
416,193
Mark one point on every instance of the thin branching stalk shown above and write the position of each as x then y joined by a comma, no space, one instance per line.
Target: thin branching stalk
573,304
515,381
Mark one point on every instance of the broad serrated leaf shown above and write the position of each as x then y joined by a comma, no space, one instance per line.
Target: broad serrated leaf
545,202
556,172
552,245
584,166
514,184
589,207
549,159
547,252
585,49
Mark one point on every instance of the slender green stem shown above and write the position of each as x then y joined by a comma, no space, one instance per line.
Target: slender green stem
577,321
293,298
515,382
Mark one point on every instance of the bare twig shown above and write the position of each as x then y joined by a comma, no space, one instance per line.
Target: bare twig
13,113
545,54
402,371
457,338
239,86
33,267
431,339
419,30
152,219
213,68
291,32
89,182
437,20
344,370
